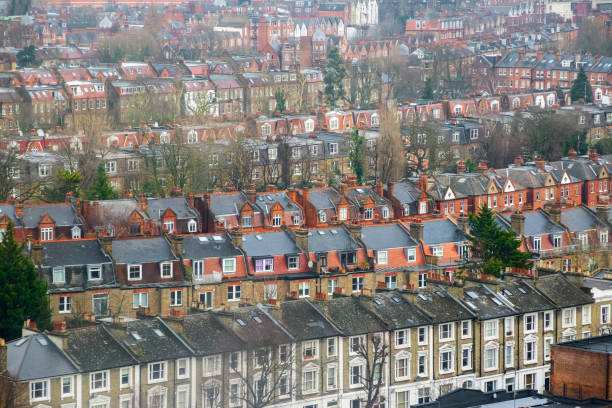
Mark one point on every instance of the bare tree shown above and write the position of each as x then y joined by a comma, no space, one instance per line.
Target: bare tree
429,149
12,181
390,158
240,161
373,350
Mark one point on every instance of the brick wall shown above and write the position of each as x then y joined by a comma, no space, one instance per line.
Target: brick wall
580,374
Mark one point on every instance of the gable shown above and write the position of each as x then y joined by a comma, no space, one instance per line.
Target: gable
168,214
492,188
449,195
246,208
46,220
603,173
277,207
549,181
509,187
565,179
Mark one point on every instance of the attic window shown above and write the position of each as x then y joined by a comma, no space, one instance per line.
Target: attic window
334,232
507,292
159,333
423,297
395,299
217,238
378,301
258,319
496,301
441,294
321,232
203,239
522,291
136,336
240,322
471,294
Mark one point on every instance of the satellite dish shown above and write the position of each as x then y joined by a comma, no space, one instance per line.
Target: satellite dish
310,264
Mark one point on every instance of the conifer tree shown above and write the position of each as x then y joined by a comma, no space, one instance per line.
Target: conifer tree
356,154
581,88
101,188
491,247
334,75
22,294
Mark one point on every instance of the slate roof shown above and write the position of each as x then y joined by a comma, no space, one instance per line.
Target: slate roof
269,243
537,223
397,313
485,304
580,219
78,252
266,200
331,239
561,291
523,296
323,198
255,327
9,210
582,169
405,192
226,204
150,340
463,185
386,236
157,206
441,309
208,246
303,320
349,316
36,356
143,250
94,348
359,196
63,215
206,335
441,231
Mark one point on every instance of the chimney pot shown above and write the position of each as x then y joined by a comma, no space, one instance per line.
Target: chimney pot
517,223
251,195
540,163
416,231
518,161
236,235
572,154
461,167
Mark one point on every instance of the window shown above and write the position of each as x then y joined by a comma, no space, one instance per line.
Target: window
548,321
509,326
368,214
229,265
293,262
605,314
67,387
537,244
235,362
402,338
110,167
385,212
332,284
44,170
490,358
569,317
197,268
140,299
331,347
333,123
98,381
233,293
356,342
264,265
422,280
530,351
246,220
422,364
557,241
182,368
283,386
212,365
356,374
466,329
322,216
547,345
304,289
343,214
586,314
39,390
382,257
332,375
446,331
65,304
402,367
491,329
531,323
76,232
530,381
192,226
309,380
309,350
466,358
391,281
437,251
422,336
125,378
277,220
46,234
423,394
166,269
59,274
134,272
357,283
509,355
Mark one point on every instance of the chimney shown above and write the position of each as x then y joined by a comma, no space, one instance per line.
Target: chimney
301,238
191,200
463,222
602,211
342,188
236,235
251,195
292,194
521,53
390,189
3,356
143,202
176,192
540,163
37,254
539,55
558,55
69,197
460,167
416,231
423,182
572,154
594,156
306,194
176,242
19,210
518,161
379,188
355,231
107,244
555,214
482,167
129,194
517,223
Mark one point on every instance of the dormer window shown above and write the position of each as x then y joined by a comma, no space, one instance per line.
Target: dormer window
46,234
264,265
134,272
229,265
166,269
192,226
343,214
59,274
94,272
333,123
246,220
76,232
277,220
385,212
322,216
368,213
169,226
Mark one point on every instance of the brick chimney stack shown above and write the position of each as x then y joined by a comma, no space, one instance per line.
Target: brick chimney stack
460,167
517,223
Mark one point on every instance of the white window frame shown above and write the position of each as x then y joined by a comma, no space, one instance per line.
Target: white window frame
468,324
104,378
186,368
586,314
451,332
175,299
382,257
402,338
161,270
46,396
236,294
129,266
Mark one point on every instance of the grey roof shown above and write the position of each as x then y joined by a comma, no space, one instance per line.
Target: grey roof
323,198
406,192
600,344
9,210
439,308
485,304
93,348
157,206
331,239
150,340
580,168
396,311
226,204
269,243
523,296
265,201
441,231
63,215
205,334
537,223
598,282
36,356
359,195
80,252
143,250
349,316
580,219
386,236
255,327
561,291
208,246
303,320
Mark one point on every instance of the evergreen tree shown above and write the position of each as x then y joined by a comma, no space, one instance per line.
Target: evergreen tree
356,154
581,88
493,248
101,188
27,57
428,90
334,75
281,101
66,181
22,294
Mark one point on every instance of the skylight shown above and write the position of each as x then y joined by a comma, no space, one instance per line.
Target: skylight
257,319
240,322
507,292
41,340
496,301
259,237
321,232
471,294
159,333
470,304
217,237
522,290
378,301
334,231
21,341
136,336
203,239
395,299
423,297
442,295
